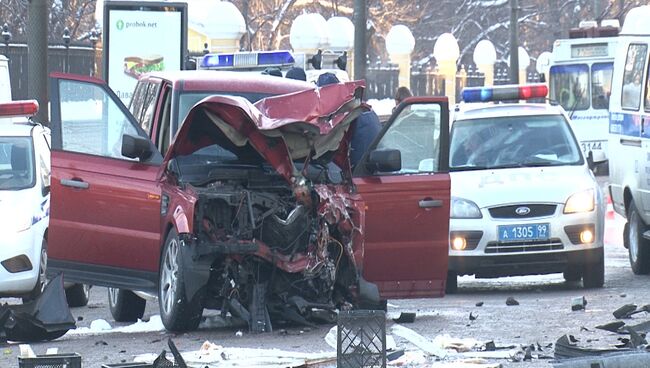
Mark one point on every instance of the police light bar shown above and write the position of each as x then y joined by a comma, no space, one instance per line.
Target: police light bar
247,60
18,108
505,93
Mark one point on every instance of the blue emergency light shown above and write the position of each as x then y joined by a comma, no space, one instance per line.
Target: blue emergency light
247,60
505,93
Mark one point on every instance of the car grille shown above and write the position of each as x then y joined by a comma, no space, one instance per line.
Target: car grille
523,247
536,210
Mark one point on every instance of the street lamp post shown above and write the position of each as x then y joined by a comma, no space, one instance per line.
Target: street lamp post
400,44
93,40
66,42
524,62
446,52
6,37
484,57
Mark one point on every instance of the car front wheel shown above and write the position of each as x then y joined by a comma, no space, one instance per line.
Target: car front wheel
125,306
42,275
78,295
177,313
594,273
638,246
451,287
572,274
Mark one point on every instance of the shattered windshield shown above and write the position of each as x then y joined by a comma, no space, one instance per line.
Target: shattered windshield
189,99
16,163
513,141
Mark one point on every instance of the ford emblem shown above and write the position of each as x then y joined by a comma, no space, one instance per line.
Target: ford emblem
522,211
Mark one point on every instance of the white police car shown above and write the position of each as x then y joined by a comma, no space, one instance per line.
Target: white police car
25,205
24,200
524,199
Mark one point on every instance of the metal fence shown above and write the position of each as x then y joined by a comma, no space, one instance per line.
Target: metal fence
382,81
76,59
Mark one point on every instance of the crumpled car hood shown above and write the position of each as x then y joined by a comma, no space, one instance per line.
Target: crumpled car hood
308,124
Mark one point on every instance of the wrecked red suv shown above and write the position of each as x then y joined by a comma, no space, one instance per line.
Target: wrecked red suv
254,209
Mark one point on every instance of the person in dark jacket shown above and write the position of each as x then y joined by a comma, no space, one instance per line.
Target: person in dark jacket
297,73
364,129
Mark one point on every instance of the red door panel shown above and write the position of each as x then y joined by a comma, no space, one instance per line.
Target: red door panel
105,207
406,247
104,212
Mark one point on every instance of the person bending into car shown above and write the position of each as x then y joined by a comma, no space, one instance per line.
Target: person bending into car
364,128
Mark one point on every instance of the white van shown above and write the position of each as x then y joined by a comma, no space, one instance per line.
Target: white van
629,138
5,86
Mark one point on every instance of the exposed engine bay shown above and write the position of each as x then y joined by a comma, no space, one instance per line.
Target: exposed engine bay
276,255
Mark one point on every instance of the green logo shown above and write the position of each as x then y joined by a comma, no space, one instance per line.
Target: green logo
120,25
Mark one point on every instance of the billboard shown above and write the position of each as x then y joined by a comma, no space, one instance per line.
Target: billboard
141,37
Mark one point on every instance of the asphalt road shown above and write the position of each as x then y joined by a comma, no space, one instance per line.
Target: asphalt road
542,316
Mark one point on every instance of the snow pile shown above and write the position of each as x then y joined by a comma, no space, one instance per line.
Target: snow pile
100,326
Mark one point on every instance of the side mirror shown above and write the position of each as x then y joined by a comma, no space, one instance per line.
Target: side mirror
385,161
172,168
136,147
595,157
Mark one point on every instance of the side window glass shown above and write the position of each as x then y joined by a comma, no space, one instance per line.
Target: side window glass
632,76
149,108
601,84
165,122
135,105
416,134
91,122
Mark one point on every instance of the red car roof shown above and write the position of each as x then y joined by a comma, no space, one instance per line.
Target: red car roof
211,80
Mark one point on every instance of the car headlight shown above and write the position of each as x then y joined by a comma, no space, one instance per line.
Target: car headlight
464,208
581,202
15,221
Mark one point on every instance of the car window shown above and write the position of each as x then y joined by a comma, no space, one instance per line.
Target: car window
569,86
415,132
149,107
632,76
16,163
601,84
512,141
189,99
91,122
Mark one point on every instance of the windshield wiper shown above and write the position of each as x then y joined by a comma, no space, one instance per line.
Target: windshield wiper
467,168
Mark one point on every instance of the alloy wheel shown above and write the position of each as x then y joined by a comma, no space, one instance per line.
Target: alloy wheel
169,276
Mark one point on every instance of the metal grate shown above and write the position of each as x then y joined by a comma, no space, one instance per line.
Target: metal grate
361,339
535,210
51,361
523,247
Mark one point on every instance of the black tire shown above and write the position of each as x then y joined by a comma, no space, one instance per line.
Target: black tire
77,295
177,313
42,275
638,246
125,306
451,287
573,273
594,273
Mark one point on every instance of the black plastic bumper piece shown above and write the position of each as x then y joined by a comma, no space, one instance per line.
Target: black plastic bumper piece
523,264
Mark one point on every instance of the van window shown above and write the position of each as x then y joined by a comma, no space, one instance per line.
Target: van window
601,84
569,85
632,76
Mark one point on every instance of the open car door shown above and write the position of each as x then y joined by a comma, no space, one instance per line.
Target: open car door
105,209
404,182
